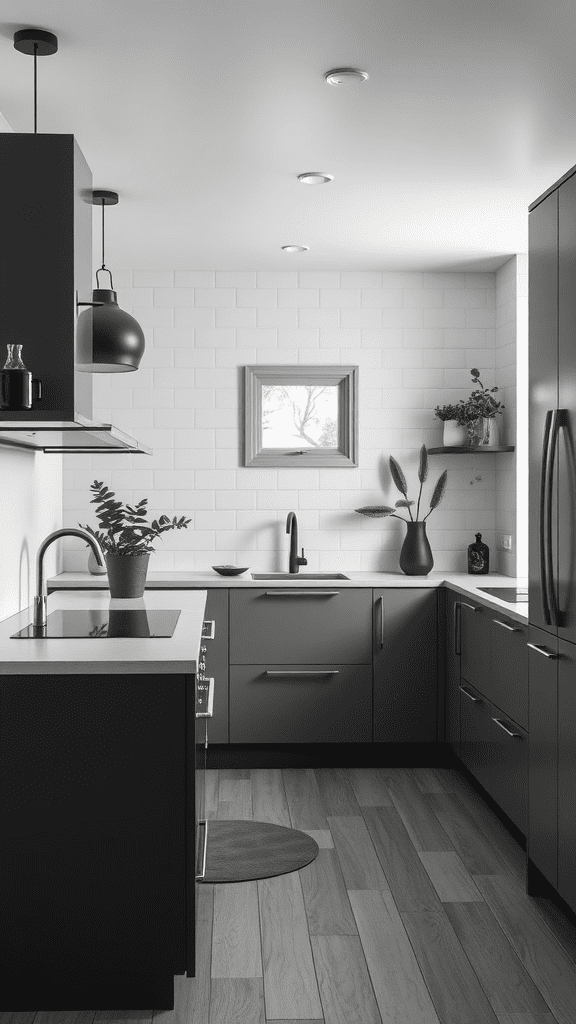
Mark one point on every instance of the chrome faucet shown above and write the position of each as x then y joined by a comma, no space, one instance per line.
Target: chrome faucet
295,560
41,599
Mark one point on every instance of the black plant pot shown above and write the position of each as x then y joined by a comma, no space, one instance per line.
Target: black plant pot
416,554
127,574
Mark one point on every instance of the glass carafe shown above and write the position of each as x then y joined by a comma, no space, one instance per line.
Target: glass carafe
17,387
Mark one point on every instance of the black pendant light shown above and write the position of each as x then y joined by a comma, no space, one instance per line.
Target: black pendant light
35,42
117,338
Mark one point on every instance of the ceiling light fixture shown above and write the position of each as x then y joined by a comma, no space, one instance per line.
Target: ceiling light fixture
117,338
36,43
345,76
315,178
295,248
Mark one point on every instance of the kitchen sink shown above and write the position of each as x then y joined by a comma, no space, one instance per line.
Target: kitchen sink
294,577
513,595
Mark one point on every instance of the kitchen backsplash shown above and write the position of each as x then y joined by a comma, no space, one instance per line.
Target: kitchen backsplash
414,336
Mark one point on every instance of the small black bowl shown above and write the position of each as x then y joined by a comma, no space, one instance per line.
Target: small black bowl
229,570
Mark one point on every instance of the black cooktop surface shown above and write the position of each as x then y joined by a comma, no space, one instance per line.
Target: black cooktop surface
514,595
97,623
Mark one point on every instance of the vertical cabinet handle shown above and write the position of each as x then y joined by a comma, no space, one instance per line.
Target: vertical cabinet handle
209,629
542,524
456,623
554,425
210,702
381,620
202,851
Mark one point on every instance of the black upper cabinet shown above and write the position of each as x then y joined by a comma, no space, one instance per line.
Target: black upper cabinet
543,327
45,258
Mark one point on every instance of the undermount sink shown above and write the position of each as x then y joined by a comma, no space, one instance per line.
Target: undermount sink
294,577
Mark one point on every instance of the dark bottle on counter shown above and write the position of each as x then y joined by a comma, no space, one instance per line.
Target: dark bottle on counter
478,557
17,387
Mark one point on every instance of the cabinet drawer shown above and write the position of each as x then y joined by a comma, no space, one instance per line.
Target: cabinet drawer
506,685
310,704
474,642
497,759
300,626
214,661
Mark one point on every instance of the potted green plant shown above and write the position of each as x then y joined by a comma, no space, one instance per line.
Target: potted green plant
416,555
482,409
455,420
126,539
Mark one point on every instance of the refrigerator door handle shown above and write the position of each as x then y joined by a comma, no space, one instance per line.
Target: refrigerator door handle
555,421
542,519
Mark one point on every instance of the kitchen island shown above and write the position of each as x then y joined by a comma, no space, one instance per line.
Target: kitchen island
99,807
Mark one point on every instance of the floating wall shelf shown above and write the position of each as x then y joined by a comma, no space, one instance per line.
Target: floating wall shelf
468,449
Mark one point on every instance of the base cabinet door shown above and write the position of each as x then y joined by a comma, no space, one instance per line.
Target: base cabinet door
452,612
405,665
567,772
506,684
543,760
495,750
300,703
475,643
214,660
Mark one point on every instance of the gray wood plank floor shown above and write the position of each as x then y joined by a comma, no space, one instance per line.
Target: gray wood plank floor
414,913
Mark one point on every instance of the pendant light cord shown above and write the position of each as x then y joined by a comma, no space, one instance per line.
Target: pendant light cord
104,267
35,89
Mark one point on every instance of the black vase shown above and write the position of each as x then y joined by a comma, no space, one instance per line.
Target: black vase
416,554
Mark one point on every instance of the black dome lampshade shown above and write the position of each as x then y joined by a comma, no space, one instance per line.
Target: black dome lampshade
117,338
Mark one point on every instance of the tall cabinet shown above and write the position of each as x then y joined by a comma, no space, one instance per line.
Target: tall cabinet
552,551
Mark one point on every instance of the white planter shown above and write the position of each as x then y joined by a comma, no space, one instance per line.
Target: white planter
454,434
486,432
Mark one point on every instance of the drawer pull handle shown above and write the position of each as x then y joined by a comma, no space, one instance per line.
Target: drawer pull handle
209,629
470,695
298,674
381,603
210,708
542,651
472,607
513,629
202,824
302,593
516,735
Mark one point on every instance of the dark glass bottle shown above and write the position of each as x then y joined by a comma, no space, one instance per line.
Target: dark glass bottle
478,557
17,387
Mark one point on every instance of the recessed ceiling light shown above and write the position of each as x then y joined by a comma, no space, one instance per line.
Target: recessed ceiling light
295,248
315,178
342,76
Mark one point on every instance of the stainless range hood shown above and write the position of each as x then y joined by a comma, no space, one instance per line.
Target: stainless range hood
45,272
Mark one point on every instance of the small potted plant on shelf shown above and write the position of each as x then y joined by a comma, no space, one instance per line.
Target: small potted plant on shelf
482,410
455,420
126,539
416,554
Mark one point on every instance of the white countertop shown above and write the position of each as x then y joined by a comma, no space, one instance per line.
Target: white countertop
462,583
122,655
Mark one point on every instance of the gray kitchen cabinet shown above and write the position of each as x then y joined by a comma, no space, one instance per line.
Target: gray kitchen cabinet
495,750
405,665
313,703
214,660
475,642
506,682
567,771
543,761
301,625
452,659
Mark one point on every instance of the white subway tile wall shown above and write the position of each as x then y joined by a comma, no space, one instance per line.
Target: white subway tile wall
414,336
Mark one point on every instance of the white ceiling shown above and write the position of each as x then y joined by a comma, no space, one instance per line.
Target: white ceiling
201,113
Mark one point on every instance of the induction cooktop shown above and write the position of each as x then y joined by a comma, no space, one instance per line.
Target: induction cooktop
98,623
513,595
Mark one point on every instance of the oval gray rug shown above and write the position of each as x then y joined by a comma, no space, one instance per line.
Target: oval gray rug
241,851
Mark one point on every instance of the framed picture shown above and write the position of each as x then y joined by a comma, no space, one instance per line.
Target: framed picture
301,416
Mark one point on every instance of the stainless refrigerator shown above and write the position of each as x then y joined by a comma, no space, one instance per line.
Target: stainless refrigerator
552,540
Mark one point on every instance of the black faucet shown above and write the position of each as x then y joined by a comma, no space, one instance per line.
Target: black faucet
295,561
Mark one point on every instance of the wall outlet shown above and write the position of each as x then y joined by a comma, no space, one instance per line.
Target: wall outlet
506,541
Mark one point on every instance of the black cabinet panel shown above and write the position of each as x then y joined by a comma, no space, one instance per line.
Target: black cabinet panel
506,684
567,772
475,643
543,764
543,349
452,647
290,626
405,665
300,704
